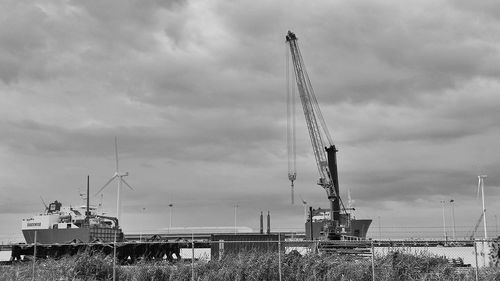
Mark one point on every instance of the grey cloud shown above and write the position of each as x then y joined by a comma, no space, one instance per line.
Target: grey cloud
48,41
484,8
409,92
198,138
392,55
21,32
379,187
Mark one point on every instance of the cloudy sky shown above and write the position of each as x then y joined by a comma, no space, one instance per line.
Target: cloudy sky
195,91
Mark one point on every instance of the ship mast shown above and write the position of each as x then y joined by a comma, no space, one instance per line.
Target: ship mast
87,212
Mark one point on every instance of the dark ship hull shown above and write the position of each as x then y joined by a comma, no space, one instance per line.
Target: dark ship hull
357,230
349,228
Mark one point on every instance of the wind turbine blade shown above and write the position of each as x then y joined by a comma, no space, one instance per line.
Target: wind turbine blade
104,186
126,183
349,199
116,153
46,207
478,186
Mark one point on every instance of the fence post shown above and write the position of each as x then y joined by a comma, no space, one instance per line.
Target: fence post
477,265
192,256
373,262
279,255
114,255
484,243
34,256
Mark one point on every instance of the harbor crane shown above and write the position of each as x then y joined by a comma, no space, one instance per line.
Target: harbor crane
324,150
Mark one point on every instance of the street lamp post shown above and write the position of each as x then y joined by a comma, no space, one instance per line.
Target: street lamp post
452,201
304,203
142,227
170,217
444,222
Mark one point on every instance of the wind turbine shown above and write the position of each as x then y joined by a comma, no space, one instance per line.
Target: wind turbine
118,175
480,185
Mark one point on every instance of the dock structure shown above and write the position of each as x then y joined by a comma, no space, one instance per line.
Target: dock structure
199,237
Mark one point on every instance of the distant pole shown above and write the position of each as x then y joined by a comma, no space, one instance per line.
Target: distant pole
235,216
444,221
305,212
142,227
481,182
304,203
170,217
268,222
379,229
496,226
452,202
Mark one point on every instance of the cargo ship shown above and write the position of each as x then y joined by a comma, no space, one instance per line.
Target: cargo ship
65,224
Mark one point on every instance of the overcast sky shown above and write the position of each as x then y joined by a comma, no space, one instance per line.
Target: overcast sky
195,91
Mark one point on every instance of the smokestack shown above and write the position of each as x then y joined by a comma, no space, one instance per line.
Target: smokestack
261,223
268,222
311,229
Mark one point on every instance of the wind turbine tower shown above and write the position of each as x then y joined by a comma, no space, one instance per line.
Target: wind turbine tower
480,184
120,176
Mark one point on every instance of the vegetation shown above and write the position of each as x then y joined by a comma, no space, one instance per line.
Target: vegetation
252,266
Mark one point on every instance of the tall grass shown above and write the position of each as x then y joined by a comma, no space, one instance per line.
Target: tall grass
252,266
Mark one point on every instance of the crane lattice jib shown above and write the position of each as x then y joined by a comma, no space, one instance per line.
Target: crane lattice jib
314,119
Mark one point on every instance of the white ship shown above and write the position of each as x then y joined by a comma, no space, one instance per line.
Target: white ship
64,224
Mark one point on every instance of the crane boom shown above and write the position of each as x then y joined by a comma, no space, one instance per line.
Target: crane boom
323,148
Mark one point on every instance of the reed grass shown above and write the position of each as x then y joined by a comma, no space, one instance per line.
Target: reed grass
250,266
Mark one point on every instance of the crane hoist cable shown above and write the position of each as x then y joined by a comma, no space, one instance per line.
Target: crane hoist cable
291,143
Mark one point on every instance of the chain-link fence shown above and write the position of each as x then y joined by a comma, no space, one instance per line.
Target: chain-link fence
383,259
274,257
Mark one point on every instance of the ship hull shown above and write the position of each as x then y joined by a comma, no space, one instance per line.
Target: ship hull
86,235
358,229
